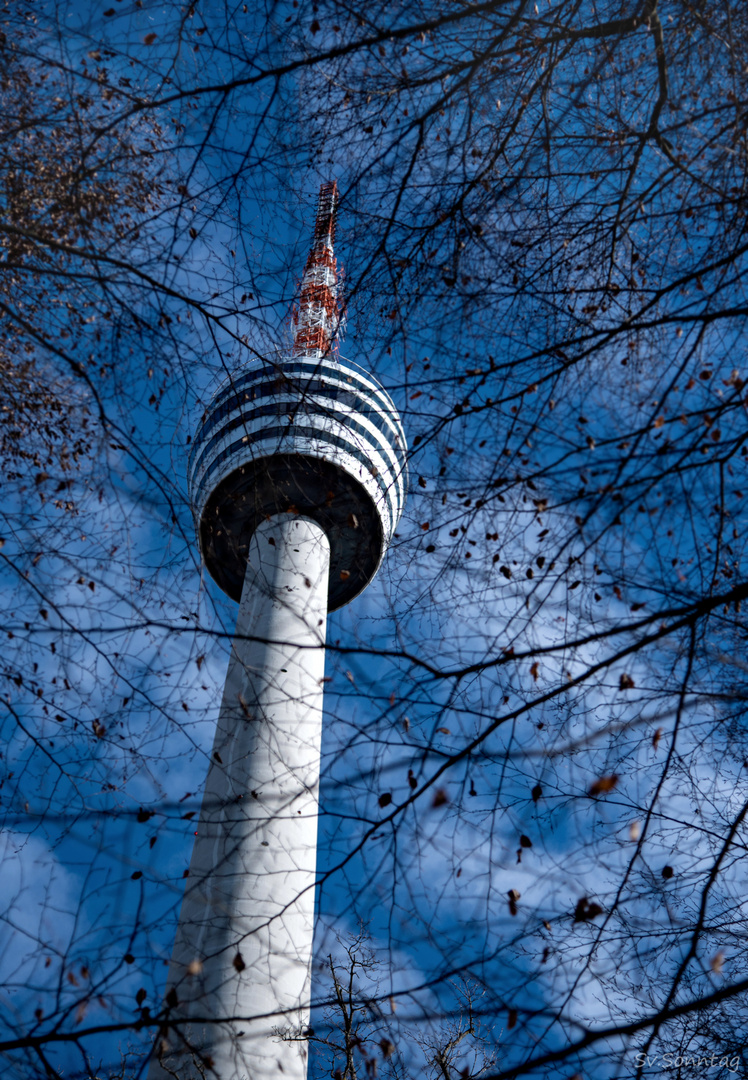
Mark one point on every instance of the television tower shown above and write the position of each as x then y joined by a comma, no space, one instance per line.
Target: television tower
297,478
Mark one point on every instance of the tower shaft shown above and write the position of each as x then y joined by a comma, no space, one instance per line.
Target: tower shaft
298,475
241,963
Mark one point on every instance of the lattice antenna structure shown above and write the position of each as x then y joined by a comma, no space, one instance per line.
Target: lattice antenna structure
297,478
318,313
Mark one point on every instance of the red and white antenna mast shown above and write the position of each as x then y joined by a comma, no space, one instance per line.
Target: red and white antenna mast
318,314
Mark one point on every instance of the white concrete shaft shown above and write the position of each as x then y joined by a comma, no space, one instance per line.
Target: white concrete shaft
241,961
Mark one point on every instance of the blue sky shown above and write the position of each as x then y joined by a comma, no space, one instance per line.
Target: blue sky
144,650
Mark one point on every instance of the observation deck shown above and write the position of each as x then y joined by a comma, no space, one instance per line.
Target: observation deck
299,434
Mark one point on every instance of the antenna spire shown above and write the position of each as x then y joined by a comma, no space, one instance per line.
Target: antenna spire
317,316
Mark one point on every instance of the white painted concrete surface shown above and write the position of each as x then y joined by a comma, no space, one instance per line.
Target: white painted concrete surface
241,961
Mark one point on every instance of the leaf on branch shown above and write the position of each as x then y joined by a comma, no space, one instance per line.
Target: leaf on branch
387,1048
584,911
626,682
536,793
440,798
525,841
513,898
385,799
149,39
238,962
603,785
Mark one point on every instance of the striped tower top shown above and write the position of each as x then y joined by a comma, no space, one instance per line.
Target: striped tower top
318,437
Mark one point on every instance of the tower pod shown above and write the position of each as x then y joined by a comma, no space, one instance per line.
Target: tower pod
310,435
